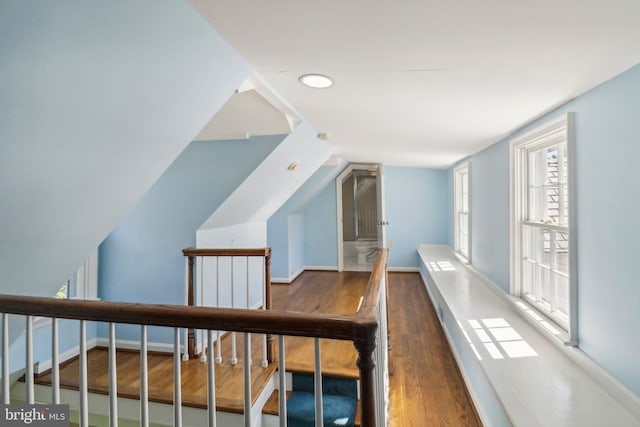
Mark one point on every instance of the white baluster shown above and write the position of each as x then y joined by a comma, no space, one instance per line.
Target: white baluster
265,361
211,382
247,379
113,378
218,343
317,382
203,355
234,355
177,381
282,376
248,350
185,355
29,362
144,379
248,285
84,394
6,398
55,363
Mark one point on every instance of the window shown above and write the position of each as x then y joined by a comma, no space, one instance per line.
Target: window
541,220
461,209
83,284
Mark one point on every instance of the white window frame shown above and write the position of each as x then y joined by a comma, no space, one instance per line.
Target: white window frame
458,174
556,131
83,286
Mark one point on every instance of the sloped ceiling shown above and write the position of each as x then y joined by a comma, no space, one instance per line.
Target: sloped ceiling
245,114
426,82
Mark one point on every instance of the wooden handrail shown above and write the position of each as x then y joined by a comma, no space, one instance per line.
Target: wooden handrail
360,328
227,252
371,296
180,316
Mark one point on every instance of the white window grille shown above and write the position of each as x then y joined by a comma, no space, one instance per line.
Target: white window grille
542,259
462,221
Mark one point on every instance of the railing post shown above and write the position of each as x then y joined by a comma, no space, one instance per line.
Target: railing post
191,335
366,347
268,302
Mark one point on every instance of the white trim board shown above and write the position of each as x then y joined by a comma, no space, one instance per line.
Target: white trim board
288,280
533,388
403,270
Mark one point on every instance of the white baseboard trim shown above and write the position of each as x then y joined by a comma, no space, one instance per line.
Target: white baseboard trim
288,280
321,267
403,269
157,347
45,365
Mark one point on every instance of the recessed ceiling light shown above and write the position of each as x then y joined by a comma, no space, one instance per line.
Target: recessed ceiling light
316,81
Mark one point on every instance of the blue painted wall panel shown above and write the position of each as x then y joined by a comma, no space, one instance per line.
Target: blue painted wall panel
417,201
321,229
141,260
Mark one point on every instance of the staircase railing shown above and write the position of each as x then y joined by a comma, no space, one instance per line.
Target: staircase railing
365,328
210,270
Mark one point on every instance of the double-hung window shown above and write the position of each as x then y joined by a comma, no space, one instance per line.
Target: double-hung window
541,237
461,227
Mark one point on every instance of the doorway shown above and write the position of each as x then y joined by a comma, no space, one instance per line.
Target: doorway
360,213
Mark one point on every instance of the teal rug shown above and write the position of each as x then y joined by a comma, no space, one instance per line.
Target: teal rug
338,402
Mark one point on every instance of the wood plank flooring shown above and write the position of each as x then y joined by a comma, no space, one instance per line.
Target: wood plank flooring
229,379
426,386
322,292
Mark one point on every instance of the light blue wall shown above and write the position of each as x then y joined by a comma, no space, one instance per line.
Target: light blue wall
417,210
321,229
607,132
96,100
296,243
285,228
278,241
490,213
141,260
417,207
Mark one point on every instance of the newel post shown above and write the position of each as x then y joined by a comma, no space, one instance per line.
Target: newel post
191,345
366,346
268,301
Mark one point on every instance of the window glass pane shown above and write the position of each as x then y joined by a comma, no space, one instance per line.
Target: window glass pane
527,277
546,285
565,203
562,253
562,293
542,246
551,172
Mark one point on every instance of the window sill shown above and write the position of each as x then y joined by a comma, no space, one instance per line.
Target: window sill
536,379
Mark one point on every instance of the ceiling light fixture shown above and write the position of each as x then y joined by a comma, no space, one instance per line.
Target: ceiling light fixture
316,81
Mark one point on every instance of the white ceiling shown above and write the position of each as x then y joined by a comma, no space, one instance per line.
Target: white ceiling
425,82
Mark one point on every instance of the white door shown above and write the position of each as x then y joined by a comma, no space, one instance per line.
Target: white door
382,219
